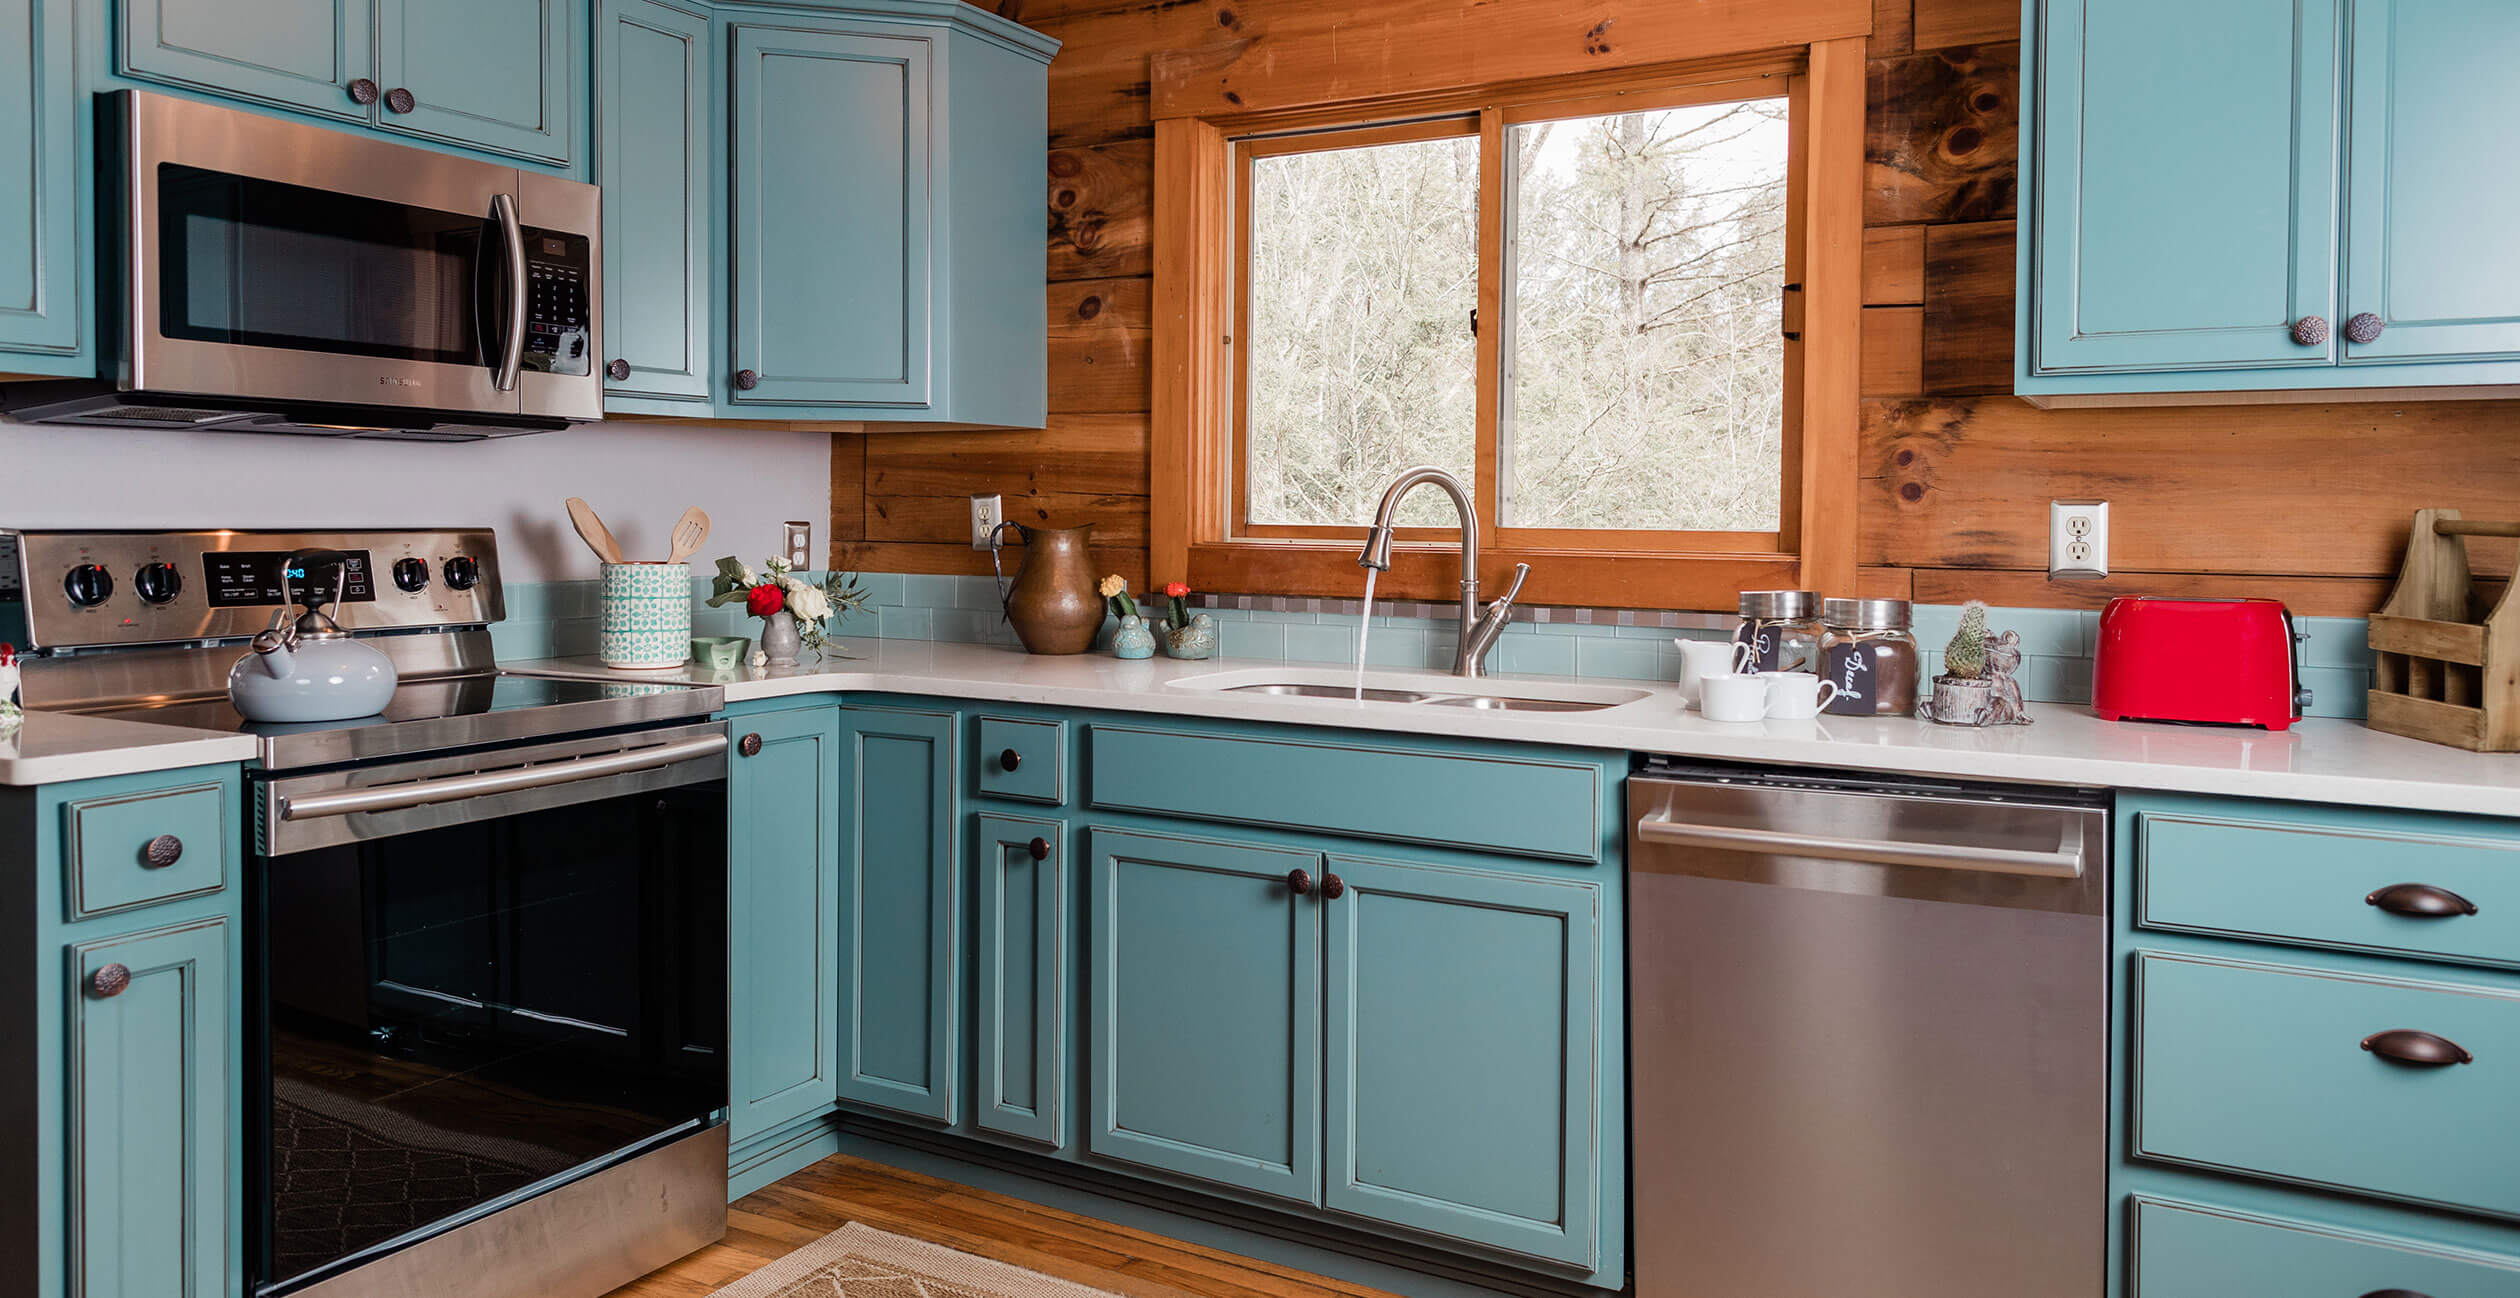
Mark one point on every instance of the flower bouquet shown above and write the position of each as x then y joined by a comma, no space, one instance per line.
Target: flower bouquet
792,610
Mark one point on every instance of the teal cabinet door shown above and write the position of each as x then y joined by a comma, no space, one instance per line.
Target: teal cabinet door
2184,189
1206,1018
1026,943
300,54
900,917
1464,1069
2431,108
783,900
831,295
39,235
500,75
653,159
151,1114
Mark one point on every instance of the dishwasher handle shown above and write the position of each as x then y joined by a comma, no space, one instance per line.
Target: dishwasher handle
2066,862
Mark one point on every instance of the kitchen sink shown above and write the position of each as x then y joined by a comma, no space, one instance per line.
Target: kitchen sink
1340,685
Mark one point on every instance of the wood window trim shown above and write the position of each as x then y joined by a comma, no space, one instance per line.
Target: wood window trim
1196,244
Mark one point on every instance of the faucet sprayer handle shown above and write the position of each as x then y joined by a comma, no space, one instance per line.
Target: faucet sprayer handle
1512,588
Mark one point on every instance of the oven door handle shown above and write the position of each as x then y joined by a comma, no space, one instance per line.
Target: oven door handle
453,788
512,241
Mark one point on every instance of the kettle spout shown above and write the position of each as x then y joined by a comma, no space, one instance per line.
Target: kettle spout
273,655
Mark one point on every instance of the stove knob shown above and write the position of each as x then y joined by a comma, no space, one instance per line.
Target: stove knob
463,572
411,574
158,583
88,585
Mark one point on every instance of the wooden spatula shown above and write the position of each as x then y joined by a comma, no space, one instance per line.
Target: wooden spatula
689,531
591,530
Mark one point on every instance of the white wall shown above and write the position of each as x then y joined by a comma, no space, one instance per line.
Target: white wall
638,476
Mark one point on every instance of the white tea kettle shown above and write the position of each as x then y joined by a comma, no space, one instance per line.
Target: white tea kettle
311,669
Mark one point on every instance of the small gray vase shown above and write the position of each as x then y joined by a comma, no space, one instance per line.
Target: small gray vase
779,640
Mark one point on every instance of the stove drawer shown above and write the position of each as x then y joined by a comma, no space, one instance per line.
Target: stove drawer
125,847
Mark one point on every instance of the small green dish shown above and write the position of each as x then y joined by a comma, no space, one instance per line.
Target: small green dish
719,653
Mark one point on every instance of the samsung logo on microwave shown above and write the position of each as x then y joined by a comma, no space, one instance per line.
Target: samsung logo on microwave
388,380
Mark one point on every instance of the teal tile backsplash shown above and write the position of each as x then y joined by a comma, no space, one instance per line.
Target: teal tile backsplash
559,619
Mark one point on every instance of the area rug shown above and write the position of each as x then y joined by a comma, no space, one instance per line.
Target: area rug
862,1262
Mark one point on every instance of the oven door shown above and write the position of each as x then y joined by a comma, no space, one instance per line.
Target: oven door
272,261
476,979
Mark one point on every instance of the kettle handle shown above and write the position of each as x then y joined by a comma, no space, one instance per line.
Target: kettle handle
305,561
1005,595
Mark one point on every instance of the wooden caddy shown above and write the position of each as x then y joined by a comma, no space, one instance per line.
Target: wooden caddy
2443,674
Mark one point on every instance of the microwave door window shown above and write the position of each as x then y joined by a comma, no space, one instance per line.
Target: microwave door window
264,264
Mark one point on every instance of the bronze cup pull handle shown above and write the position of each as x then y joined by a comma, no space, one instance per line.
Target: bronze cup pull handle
1039,849
108,982
2395,1293
2417,1049
1333,887
2420,901
1299,882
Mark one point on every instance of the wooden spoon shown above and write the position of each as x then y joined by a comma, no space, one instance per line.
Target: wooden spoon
591,530
689,531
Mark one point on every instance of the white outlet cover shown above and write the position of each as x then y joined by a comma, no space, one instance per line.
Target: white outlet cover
986,513
2078,540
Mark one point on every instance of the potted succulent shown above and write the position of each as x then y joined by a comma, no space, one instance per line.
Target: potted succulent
1976,686
1132,639
1184,634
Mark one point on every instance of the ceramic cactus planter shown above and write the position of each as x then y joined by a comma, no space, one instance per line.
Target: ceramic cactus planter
1133,640
1193,642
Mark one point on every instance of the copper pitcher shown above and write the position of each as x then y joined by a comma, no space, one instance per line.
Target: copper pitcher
1053,605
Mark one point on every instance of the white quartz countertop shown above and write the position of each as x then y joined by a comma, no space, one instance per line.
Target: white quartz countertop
2316,761
51,747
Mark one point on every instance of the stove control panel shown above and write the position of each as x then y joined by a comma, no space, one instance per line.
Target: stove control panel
95,589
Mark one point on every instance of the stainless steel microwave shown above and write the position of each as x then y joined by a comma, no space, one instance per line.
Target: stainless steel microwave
267,276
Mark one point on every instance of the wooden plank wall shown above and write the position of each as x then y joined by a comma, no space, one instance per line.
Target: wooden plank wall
2309,503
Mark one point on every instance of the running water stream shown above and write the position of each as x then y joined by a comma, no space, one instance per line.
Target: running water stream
1364,629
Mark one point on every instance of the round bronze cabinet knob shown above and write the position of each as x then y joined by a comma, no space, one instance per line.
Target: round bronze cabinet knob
1009,760
2310,330
1299,882
1333,887
362,91
401,100
618,370
162,851
749,745
746,380
1039,848
109,981
2364,328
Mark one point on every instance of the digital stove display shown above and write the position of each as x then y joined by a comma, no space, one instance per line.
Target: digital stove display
237,577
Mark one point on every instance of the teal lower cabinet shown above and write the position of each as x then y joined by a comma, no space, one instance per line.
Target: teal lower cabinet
2317,1089
1027,937
1206,990
900,909
1463,1068
783,900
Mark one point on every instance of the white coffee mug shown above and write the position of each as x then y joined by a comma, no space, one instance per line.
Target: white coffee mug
1796,696
1700,659
1733,697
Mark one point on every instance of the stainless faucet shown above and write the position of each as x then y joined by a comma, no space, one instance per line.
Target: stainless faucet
1479,629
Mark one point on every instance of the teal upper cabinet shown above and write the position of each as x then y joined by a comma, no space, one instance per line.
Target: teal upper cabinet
653,159
502,75
900,913
2291,196
39,233
783,902
2427,175
2186,188
832,207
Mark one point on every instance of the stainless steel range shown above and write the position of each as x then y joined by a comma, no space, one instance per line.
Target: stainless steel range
485,958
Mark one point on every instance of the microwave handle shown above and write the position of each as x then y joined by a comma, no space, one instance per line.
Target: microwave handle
512,239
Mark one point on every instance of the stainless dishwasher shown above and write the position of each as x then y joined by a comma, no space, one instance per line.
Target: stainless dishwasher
1869,1028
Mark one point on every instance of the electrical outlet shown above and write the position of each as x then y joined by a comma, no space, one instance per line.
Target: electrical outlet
2078,539
986,513
800,545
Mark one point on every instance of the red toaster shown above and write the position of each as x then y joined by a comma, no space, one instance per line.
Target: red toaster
2231,662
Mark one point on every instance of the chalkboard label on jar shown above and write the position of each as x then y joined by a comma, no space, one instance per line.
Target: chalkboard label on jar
1850,668
1762,639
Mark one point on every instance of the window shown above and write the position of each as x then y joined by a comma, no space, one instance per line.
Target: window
1577,300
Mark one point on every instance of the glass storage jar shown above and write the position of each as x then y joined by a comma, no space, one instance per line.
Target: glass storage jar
1870,655
1783,629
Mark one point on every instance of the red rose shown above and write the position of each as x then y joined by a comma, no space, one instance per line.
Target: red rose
1175,589
765,600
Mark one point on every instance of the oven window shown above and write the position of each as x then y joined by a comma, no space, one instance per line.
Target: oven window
265,264
454,1015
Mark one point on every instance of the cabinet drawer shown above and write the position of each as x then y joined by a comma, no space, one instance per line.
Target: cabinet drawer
2268,1070
125,850
1023,760
2194,1251
2431,896
1517,805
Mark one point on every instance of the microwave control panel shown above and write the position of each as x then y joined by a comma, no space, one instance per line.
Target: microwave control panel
559,330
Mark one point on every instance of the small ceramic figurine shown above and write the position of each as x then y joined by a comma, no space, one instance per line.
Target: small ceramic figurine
2003,658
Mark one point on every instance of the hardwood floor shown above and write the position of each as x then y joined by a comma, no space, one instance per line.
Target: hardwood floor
771,1222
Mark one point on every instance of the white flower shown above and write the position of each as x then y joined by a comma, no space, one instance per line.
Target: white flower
760,659
808,603
748,579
